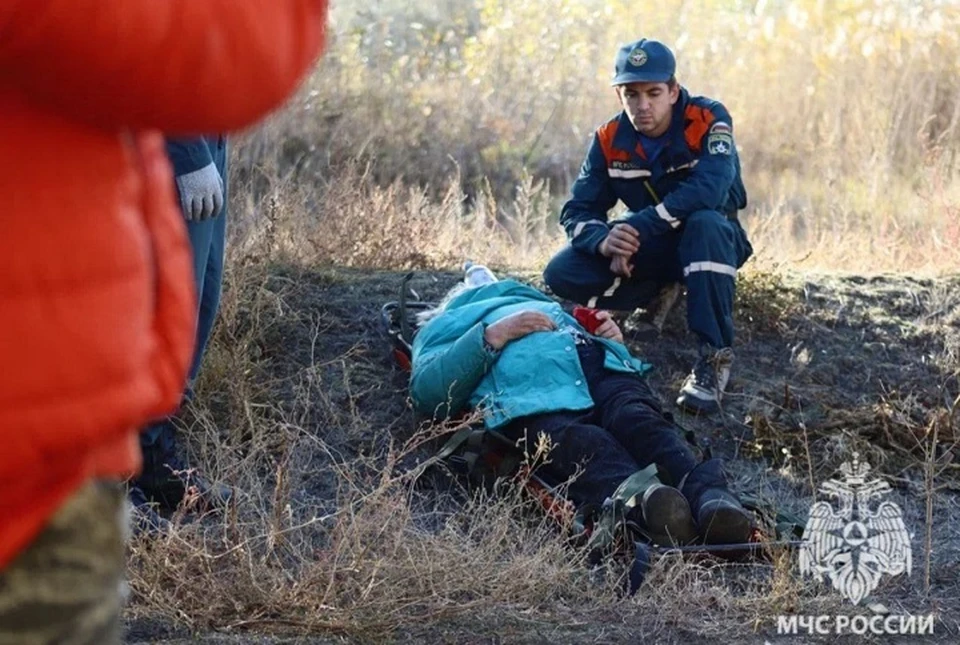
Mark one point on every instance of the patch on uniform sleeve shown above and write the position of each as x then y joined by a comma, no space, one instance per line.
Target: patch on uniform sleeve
719,144
721,127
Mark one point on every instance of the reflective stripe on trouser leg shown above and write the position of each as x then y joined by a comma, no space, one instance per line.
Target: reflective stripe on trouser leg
709,259
586,279
609,293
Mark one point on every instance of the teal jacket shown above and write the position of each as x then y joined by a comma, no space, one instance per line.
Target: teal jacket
535,374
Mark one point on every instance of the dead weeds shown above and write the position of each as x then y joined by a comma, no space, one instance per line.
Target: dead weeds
337,531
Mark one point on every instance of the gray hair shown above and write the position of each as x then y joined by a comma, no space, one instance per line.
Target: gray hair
426,316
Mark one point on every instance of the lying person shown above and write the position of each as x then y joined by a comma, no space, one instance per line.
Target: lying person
510,351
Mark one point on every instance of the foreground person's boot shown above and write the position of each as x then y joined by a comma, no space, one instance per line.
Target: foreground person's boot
166,480
721,519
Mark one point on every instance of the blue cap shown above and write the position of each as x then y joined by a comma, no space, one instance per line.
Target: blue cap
645,61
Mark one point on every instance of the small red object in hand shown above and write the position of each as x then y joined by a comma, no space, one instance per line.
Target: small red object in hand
587,318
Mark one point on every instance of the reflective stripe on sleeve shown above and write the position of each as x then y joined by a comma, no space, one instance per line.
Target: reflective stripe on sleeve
714,267
684,166
666,216
581,225
620,173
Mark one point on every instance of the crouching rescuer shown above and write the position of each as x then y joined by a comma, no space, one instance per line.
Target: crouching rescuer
511,352
670,158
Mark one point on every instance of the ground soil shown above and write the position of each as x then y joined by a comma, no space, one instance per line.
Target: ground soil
825,365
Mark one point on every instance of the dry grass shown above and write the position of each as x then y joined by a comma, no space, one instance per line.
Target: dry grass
365,570
331,533
847,119
338,533
436,132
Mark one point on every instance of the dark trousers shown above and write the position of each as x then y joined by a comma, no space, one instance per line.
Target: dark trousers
703,253
624,432
208,243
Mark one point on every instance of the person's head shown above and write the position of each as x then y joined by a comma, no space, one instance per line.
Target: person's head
477,275
474,276
646,84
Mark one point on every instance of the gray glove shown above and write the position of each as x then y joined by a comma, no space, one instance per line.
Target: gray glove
201,193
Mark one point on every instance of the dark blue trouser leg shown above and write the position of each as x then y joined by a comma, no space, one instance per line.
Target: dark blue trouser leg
580,448
158,444
586,279
711,250
710,474
207,241
704,253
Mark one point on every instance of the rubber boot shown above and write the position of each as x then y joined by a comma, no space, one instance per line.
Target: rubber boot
667,519
720,517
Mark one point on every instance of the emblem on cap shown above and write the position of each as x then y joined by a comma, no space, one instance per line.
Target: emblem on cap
637,57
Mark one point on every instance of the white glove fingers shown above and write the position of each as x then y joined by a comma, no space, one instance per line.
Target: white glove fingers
217,203
201,193
208,207
196,208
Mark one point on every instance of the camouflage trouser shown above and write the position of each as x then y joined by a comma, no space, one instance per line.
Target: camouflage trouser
68,587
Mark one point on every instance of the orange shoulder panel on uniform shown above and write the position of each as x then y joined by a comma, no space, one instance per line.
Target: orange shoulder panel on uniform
606,133
699,120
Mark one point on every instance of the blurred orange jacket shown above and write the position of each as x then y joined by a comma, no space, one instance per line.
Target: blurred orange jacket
96,287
